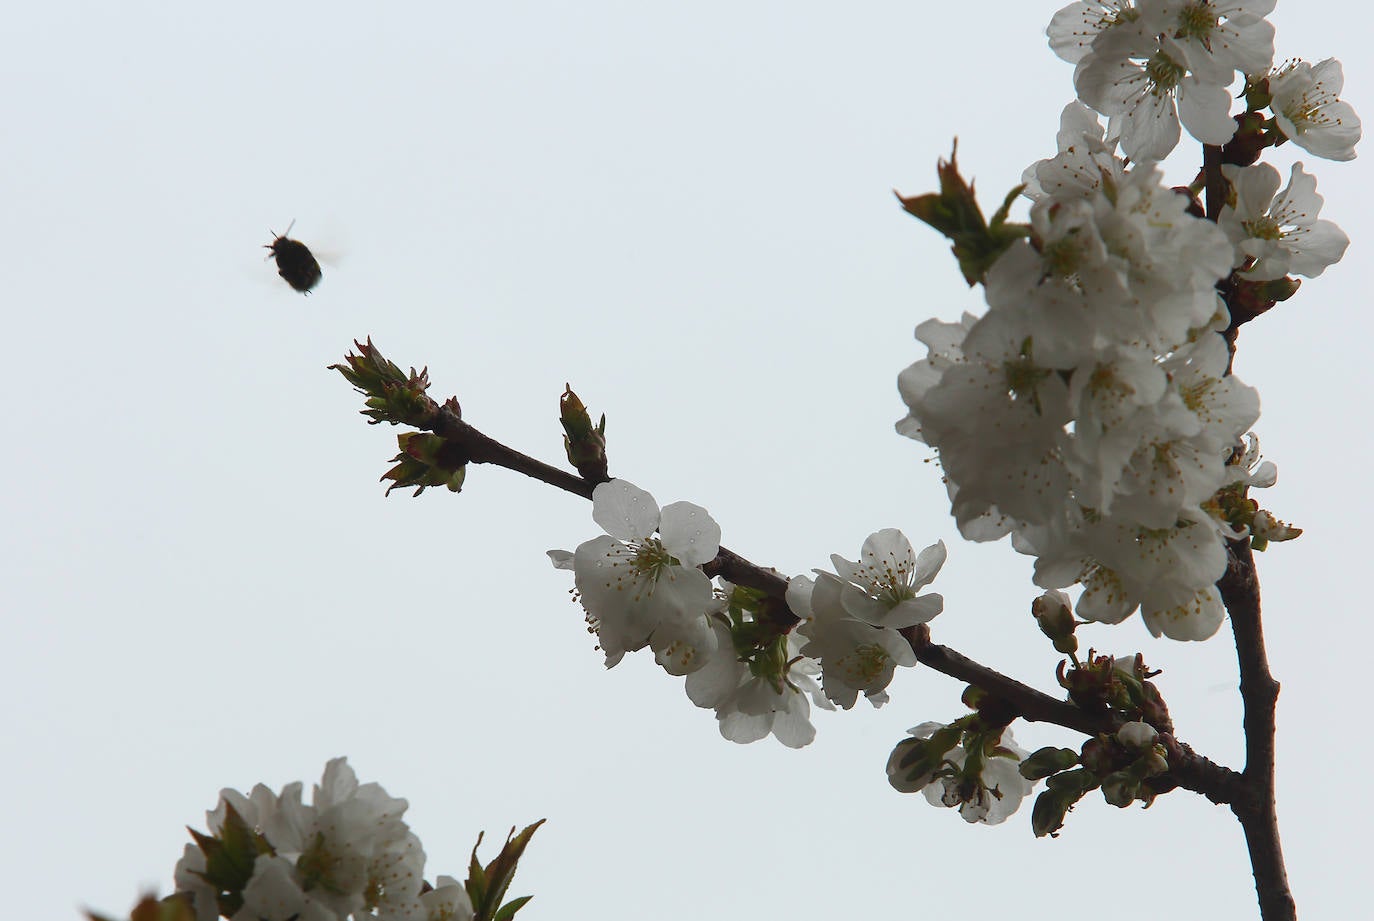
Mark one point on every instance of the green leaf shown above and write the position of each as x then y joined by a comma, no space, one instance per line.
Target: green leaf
476,884
954,212
229,858
501,870
510,908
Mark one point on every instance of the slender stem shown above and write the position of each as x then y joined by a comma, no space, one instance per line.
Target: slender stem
1259,694
1033,705
1188,769
1240,592
1214,183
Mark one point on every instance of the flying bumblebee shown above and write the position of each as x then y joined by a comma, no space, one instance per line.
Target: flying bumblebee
295,262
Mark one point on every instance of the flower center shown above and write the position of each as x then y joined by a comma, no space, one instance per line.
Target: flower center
650,559
1263,228
866,662
1199,21
1164,74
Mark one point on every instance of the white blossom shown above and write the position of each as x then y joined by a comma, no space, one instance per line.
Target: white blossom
1140,79
986,786
274,893
633,583
1074,28
1217,37
1282,235
447,901
750,704
1309,111
347,853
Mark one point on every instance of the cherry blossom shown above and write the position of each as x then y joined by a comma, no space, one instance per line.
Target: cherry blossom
1278,236
983,783
632,583
1307,106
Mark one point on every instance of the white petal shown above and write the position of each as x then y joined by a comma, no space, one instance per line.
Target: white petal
624,510
928,564
1197,619
911,612
1205,109
1323,244
689,533
798,597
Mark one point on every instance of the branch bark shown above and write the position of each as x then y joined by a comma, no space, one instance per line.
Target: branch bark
1187,769
1259,693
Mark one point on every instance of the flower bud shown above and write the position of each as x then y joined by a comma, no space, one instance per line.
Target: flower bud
1061,792
914,762
1047,761
1098,755
1052,613
1137,737
584,443
1154,762
1119,788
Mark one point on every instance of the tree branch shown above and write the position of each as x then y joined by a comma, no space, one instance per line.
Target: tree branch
1188,770
1259,693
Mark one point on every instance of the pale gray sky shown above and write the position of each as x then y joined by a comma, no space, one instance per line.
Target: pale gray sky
685,210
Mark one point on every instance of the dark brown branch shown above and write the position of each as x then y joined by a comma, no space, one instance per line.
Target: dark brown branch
1192,771
1214,183
478,448
1188,769
1033,705
1259,693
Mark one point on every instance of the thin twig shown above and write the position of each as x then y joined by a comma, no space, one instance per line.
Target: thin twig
1259,694
1188,769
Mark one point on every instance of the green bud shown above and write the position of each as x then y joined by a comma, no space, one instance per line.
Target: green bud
1047,761
1052,614
973,696
1099,755
914,762
392,395
585,445
426,460
1119,788
1062,791
1153,762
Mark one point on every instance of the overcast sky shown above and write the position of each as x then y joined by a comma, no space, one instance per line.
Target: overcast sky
686,211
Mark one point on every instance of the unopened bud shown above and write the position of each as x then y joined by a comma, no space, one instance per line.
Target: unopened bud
1154,762
1137,736
1053,615
584,444
914,762
1061,792
1119,788
1047,761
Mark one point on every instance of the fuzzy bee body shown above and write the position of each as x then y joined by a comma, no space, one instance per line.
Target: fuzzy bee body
295,263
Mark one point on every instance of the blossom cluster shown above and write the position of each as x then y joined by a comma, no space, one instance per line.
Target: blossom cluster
1147,64
1091,412
346,854
642,586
